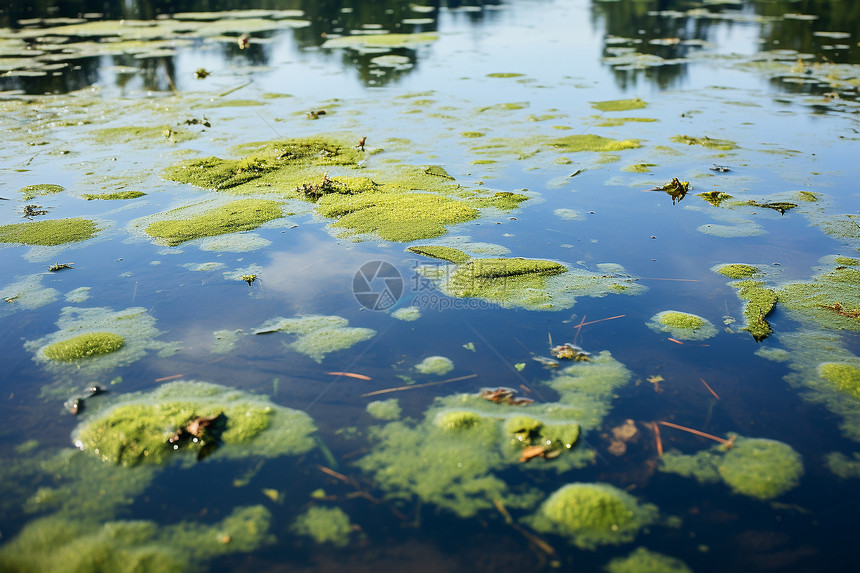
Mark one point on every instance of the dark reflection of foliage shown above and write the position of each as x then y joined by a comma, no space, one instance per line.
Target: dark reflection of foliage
638,20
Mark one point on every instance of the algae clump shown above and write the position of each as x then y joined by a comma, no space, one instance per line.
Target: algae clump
440,252
760,302
830,299
738,271
84,346
241,215
682,325
49,233
706,142
324,525
30,192
592,514
318,335
590,142
761,468
113,196
619,104
644,561
138,428
438,365
384,409
844,377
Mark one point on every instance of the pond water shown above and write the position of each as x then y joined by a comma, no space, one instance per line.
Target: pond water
234,186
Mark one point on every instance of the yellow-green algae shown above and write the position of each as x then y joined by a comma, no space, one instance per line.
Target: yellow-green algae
619,104
51,232
365,41
134,325
533,284
592,514
590,142
815,301
843,466
706,142
639,168
30,192
760,301
240,215
407,314
119,195
641,560
136,428
318,335
682,325
59,544
384,409
84,346
440,252
714,197
141,135
844,377
438,365
755,467
737,271
324,525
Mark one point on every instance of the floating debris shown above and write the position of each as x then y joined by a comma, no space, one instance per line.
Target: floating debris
249,279
570,351
503,395
201,73
58,267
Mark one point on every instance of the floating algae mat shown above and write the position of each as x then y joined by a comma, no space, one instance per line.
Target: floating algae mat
499,406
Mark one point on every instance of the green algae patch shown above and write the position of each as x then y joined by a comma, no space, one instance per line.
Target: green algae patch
384,409
761,468
240,215
847,261
440,252
641,560
590,142
715,198
318,335
639,168
829,300
141,135
436,365
706,142
682,325
138,428
407,314
398,217
760,301
534,284
49,233
366,41
618,121
737,271
26,293
504,200
120,195
842,466
134,326
324,525
84,346
61,544
619,104
844,377
756,467
593,514
30,192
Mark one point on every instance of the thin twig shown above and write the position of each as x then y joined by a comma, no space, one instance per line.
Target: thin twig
413,386
711,390
657,438
697,433
169,377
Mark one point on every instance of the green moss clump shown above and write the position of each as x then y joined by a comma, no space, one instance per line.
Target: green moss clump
702,466
844,377
504,200
324,525
682,325
714,197
399,217
760,302
437,365
843,466
738,271
495,268
457,420
590,142
241,215
84,346
592,514
847,261
440,252
384,409
706,142
216,173
761,468
113,196
30,192
619,104
318,335
136,430
644,561
49,233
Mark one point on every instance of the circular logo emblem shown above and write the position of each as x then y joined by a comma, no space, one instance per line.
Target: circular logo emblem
377,285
